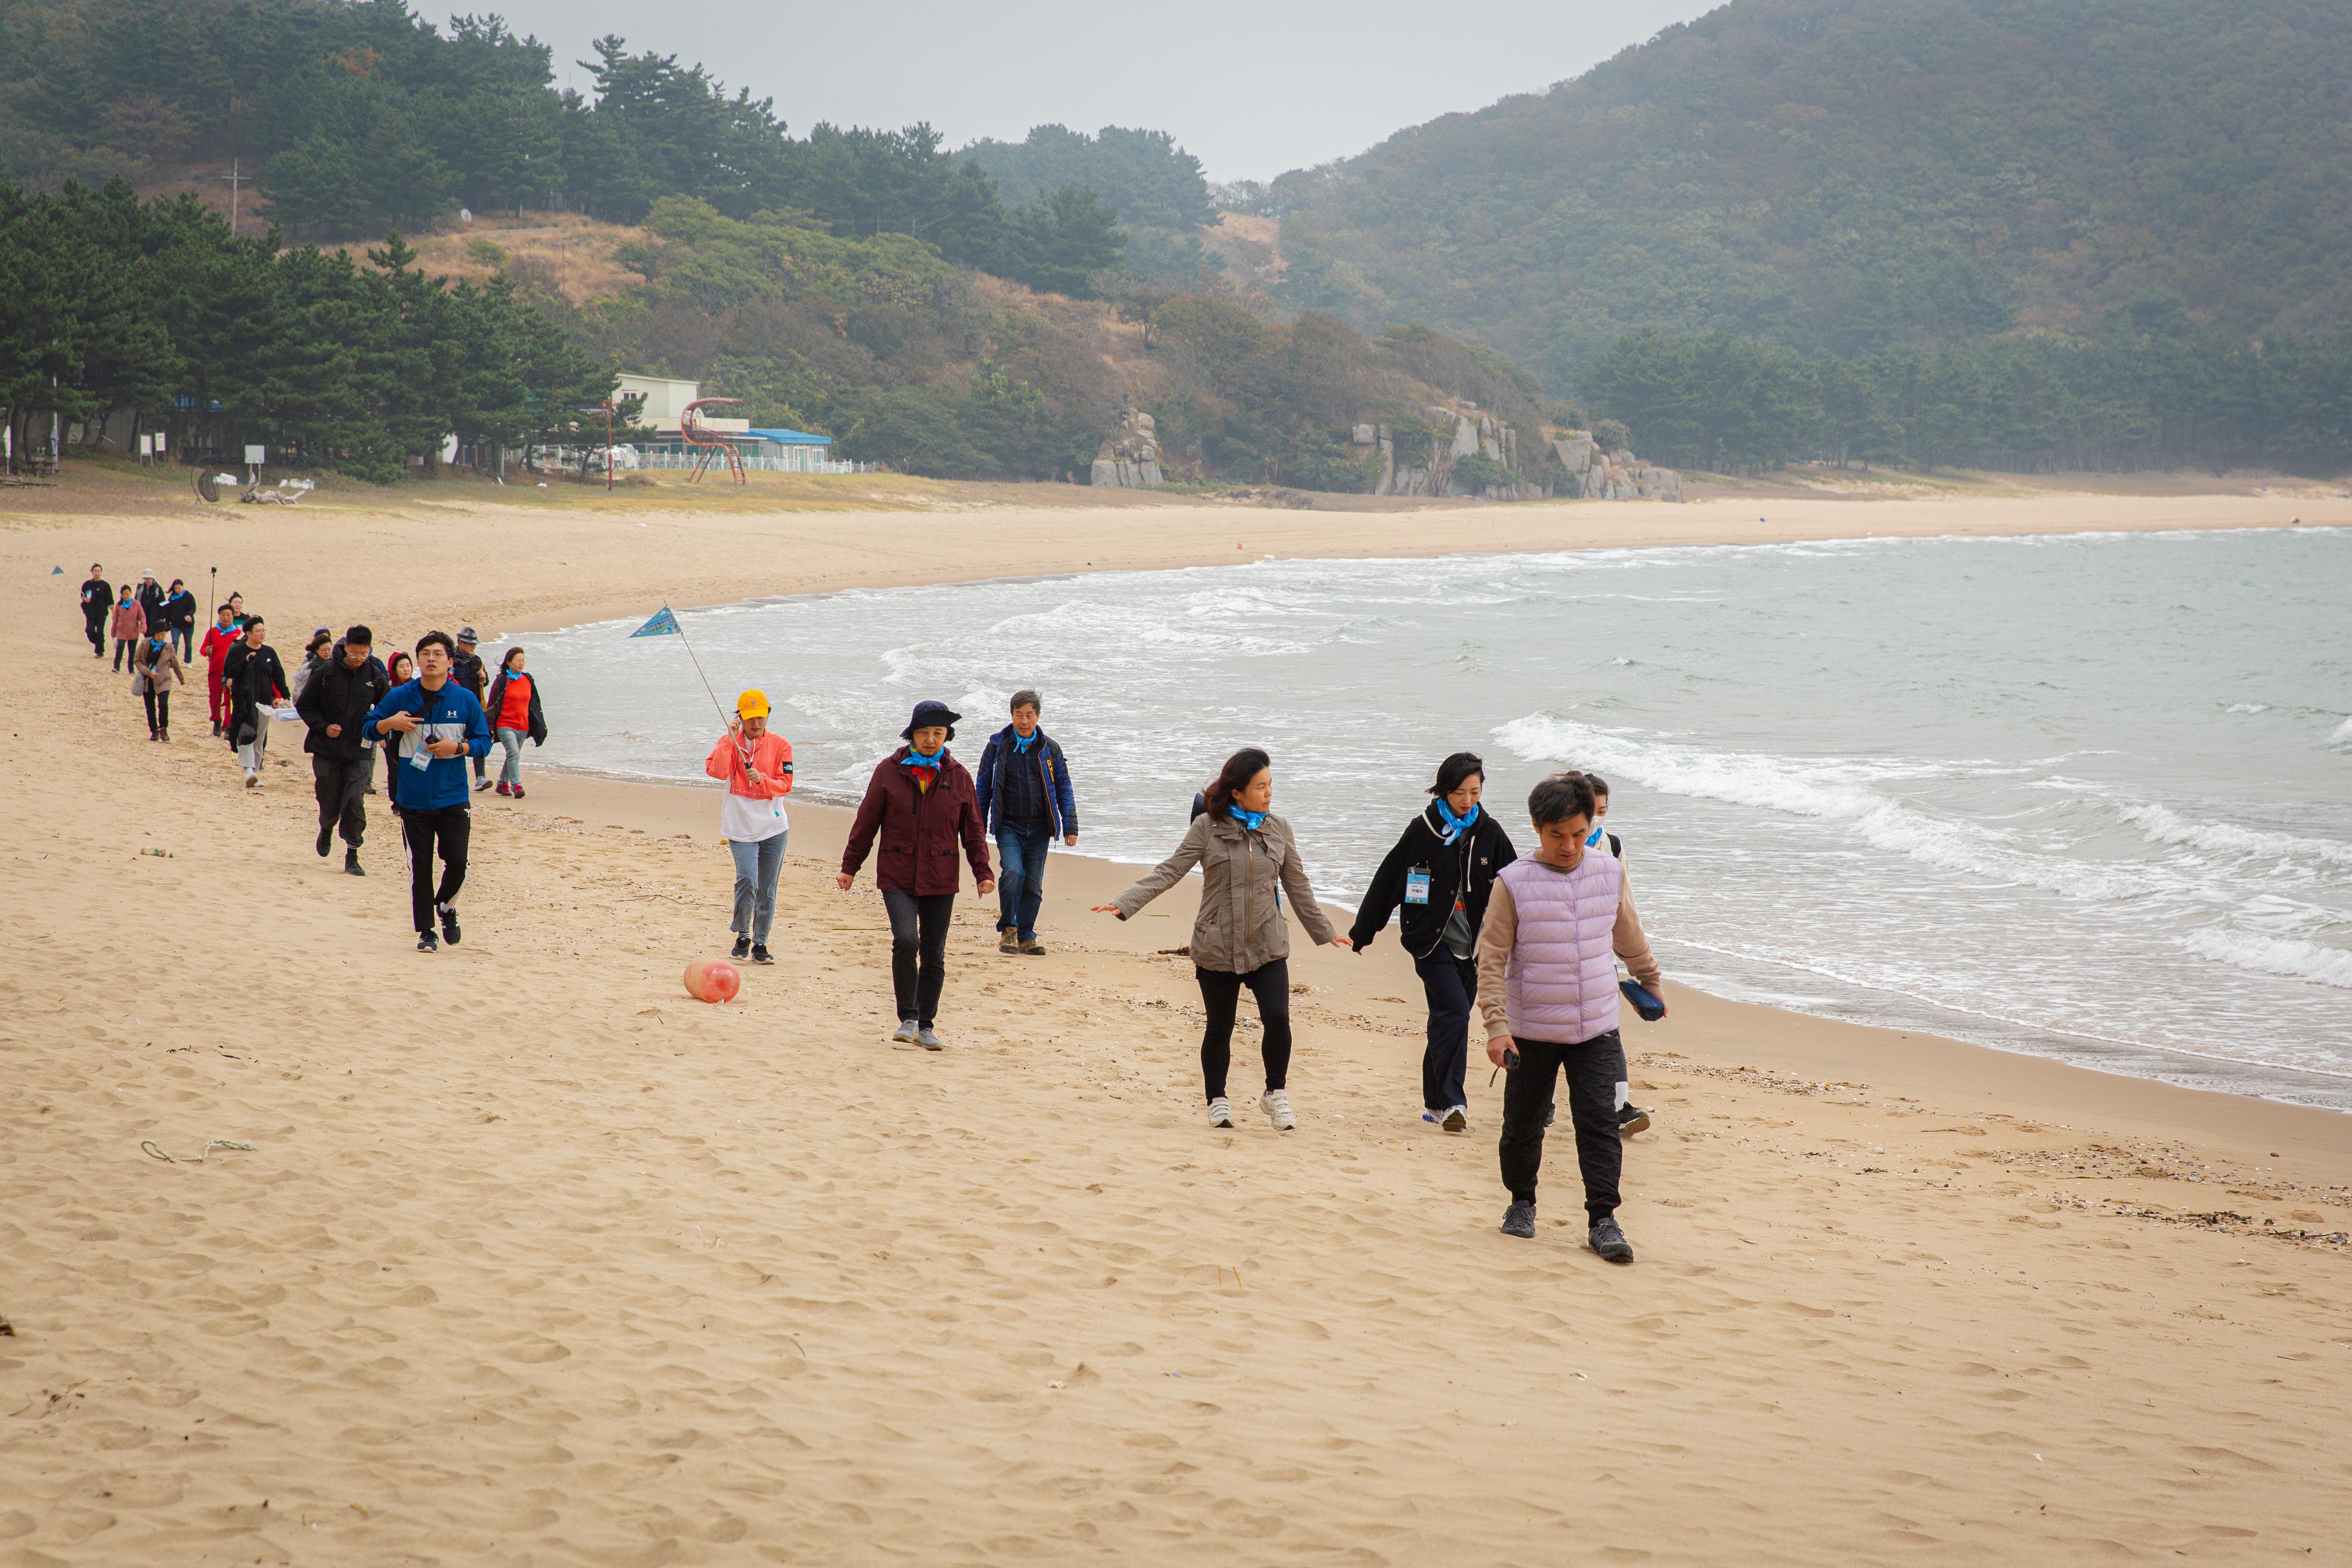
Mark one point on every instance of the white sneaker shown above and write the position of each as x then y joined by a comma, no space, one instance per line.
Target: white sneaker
1276,1103
252,779
1457,1120
1221,1112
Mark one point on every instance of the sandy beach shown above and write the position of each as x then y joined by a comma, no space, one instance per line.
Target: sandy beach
538,1261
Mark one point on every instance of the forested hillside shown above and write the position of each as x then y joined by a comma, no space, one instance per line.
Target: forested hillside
1848,175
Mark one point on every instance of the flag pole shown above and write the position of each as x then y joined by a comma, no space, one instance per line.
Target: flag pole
698,669
666,624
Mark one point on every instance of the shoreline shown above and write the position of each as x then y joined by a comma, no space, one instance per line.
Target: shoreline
532,1257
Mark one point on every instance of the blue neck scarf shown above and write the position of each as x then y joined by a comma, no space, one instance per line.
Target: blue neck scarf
1455,826
1594,841
1021,742
1252,820
915,759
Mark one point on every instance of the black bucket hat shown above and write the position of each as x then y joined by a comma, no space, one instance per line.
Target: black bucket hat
927,713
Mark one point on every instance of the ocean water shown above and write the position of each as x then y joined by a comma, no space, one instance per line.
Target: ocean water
2087,796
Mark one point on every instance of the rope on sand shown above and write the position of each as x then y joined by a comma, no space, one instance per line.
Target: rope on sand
155,1152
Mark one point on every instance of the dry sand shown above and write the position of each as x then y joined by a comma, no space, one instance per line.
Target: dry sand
538,1261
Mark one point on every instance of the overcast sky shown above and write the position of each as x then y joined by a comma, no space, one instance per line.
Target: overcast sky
1251,88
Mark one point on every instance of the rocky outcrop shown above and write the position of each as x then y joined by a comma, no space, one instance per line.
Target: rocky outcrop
1130,461
1434,473
1596,475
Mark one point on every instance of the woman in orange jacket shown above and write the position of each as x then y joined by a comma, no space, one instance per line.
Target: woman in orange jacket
757,768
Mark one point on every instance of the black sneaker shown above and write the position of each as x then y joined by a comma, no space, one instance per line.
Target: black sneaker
427,942
326,839
1610,1242
351,862
1632,1119
742,948
760,954
449,924
1519,1220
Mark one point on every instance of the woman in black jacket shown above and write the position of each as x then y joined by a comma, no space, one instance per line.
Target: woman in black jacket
1439,875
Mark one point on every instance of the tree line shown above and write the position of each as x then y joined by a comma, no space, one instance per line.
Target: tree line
362,118
109,305
2149,387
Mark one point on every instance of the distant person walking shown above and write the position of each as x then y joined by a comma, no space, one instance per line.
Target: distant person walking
314,658
467,670
1440,874
150,598
514,717
1026,800
219,637
436,724
335,704
127,626
920,805
180,617
401,670
155,669
1248,859
97,604
757,765
1556,924
254,682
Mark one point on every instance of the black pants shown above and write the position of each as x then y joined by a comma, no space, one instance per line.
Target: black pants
1594,1068
159,709
94,628
123,647
1221,992
919,950
1450,985
451,828
341,786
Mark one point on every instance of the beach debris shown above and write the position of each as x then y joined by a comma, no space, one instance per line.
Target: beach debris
158,854
155,1152
7,1329
712,980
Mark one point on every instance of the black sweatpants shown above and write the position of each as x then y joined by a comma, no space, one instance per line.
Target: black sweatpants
451,828
1221,994
159,709
919,950
341,784
1594,1068
94,628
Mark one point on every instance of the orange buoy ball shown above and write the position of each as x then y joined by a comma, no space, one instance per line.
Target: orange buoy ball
712,980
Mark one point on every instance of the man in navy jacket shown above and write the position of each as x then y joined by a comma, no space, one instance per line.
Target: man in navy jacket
1026,801
433,724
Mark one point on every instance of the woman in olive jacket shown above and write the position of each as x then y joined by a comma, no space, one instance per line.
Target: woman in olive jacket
1440,875
1248,859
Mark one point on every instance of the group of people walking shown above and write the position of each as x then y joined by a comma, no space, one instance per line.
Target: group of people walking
432,716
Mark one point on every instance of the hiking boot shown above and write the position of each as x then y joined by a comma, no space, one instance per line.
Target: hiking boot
742,948
1632,1119
427,942
1033,947
925,1037
1008,943
1519,1220
1609,1241
1221,1112
449,924
760,954
1276,1103
351,862
907,1031
326,839
1457,1120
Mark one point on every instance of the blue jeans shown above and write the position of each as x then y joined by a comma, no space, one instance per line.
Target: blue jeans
511,772
1021,877
757,867
1450,985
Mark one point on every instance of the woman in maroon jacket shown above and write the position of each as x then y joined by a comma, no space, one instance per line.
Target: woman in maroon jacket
921,803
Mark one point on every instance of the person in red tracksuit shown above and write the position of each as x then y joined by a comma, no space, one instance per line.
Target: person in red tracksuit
219,637
921,805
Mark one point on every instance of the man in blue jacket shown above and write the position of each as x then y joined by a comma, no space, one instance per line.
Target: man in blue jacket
433,724
1026,801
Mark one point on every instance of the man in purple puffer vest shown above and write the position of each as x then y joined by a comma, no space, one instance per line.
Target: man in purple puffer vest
1555,926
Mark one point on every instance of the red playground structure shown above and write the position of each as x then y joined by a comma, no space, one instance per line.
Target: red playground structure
709,444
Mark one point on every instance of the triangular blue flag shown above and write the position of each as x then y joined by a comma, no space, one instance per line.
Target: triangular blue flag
664,625
56,571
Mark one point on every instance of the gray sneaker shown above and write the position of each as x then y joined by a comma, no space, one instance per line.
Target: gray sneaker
929,1040
1519,1220
1610,1242
906,1032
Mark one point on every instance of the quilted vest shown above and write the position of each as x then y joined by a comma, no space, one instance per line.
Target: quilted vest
1561,985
